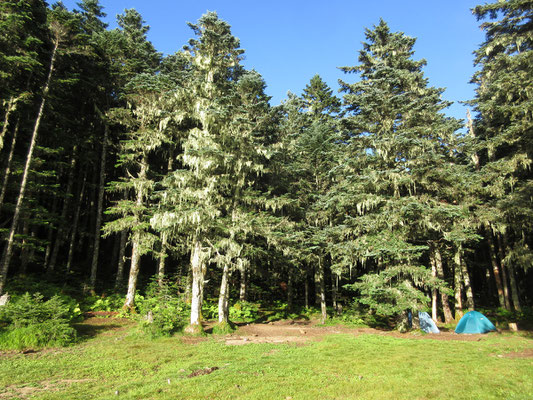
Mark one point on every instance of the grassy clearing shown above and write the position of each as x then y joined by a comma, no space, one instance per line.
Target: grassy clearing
338,367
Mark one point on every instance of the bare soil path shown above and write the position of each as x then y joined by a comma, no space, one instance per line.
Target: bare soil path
302,331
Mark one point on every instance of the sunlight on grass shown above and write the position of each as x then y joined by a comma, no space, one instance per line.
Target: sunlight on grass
338,367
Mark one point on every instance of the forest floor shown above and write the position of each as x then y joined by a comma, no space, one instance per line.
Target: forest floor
286,359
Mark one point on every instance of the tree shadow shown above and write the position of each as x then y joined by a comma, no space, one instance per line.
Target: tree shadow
87,331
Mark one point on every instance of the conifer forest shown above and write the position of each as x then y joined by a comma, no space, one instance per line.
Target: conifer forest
142,180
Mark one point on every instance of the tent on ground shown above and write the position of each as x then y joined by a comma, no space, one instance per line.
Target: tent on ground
474,322
426,323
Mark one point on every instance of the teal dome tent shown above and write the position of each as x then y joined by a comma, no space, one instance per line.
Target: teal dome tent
474,322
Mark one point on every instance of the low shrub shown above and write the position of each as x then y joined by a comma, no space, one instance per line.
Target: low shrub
113,302
210,310
31,322
162,311
244,311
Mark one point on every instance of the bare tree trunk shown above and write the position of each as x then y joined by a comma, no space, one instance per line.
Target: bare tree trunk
496,269
50,235
322,284
458,278
121,259
162,258
512,278
468,286
433,291
437,259
243,292
8,251
317,285
11,107
223,307
134,274
470,126
503,268
7,171
75,224
198,273
99,211
514,288
306,281
290,290
334,289
135,247
63,218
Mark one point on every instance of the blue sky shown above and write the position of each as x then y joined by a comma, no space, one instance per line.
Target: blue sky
290,41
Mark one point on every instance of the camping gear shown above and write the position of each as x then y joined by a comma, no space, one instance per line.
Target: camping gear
426,323
474,322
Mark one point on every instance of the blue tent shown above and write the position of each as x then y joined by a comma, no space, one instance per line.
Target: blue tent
426,323
474,322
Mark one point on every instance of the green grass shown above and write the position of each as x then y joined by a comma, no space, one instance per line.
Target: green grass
338,367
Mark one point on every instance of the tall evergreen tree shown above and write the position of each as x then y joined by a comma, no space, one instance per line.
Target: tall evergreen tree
205,199
63,28
397,180
504,129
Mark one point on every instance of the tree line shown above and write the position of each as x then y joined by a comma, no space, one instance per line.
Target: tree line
119,163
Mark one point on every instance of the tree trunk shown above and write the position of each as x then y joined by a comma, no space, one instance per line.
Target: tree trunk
99,210
437,259
135,247
134,273
11,107
50,234
8,251
468,286
322,285
243,292
458,278
7,171
512,278
503,268
121,259
496,269
75,224
162,258
317,285
198,273
334,289
223,307
290,290
434,315
60,238
306,290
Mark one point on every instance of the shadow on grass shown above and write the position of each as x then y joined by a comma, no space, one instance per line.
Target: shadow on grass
87,331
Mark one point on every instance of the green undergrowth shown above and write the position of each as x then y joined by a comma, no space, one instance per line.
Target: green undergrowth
224,328
33,322
113,363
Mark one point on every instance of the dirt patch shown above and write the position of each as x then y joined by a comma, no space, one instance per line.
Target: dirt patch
14,391
527,353
108,314
204,371
306,331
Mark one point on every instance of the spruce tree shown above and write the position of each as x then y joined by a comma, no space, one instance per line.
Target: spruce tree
205,200
504,131
395,198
